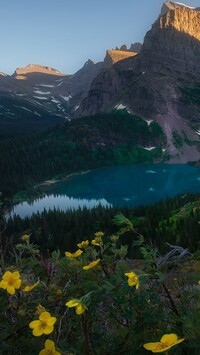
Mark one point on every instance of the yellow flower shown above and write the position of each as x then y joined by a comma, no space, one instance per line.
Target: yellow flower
40,309
99,234
97,241
20,246
165,343
73,255
25,238
132,279
49,349
11,281
83,244
91,265
44,325
80,307
30,288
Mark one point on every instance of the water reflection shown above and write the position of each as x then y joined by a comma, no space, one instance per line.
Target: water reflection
61,202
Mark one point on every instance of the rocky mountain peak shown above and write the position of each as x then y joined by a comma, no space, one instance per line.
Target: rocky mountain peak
36,68
89,63
171,5
174,41
113,56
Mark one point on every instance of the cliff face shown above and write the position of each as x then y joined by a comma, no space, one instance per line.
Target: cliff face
114,56
173,42
154,84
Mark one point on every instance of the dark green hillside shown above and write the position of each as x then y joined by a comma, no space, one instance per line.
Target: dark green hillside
22,116
82,144
175,221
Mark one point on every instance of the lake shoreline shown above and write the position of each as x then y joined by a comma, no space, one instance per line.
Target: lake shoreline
54,181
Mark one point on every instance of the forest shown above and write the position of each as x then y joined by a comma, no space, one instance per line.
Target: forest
174,221
86,143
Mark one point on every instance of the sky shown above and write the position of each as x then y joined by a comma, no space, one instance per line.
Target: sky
64,34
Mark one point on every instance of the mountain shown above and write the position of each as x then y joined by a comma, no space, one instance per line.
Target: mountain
161,83
36,97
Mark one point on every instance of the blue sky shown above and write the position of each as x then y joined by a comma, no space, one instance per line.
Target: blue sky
64,34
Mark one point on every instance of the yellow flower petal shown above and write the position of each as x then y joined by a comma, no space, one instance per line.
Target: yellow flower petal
11,290
17,284
73,255
7,275
91,265
37,332
16,275
34,324
169,338
4,284
51,321
44,316
30,288
48,329
83,244
49,349
49,345
72,303
80,308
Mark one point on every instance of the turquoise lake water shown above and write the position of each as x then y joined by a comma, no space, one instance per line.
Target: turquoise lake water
116,186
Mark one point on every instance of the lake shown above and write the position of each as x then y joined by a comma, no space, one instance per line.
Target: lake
115,186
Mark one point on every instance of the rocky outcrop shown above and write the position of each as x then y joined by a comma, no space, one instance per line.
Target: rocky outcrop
114,56
36,68
136,47
80,82
173,42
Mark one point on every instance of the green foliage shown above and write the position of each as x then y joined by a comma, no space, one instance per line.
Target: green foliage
175,221
117,317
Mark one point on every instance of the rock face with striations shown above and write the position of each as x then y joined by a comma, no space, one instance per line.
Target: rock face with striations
173,41
161,83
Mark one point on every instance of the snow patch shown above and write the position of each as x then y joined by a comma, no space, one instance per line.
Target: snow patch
180,3
149,148
26,109
198,132
46,86
41,92
41,97
66,98
148,122
120,107
37,114
76,108
54,100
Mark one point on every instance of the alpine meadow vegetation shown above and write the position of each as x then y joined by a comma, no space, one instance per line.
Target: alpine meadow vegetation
97,300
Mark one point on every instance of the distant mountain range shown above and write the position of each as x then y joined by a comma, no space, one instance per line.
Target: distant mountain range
158,81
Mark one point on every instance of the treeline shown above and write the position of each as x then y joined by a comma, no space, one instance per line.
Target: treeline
175,221
86,143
